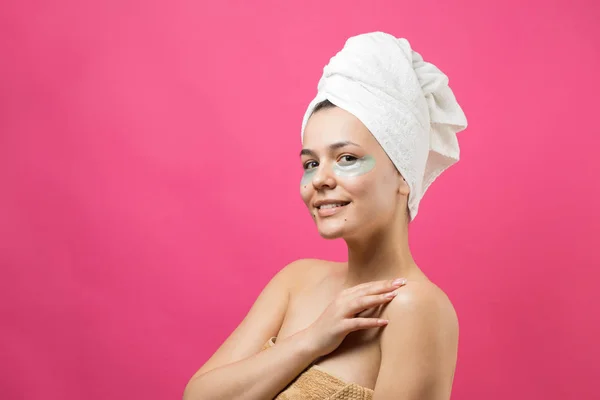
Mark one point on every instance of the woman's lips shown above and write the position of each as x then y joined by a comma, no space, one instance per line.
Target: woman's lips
326,212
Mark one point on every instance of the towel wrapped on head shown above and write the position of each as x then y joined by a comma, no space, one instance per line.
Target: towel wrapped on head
404,101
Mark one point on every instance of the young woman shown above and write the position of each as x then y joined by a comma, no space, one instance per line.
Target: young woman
380,130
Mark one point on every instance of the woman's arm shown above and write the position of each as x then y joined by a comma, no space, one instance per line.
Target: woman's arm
261,376
239,369
419,346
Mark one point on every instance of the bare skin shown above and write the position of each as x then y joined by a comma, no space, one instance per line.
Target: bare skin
358,357
311,305
238,369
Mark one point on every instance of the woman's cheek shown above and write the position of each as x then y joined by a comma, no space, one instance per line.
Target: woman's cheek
305,192
357,187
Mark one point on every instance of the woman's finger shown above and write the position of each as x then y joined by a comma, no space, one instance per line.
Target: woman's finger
355,324
376,287
360,304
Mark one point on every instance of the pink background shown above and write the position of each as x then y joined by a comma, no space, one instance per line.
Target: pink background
150,178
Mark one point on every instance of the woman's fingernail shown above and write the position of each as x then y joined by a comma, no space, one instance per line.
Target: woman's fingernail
400,281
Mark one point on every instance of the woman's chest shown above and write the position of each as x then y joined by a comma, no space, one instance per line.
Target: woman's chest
358,357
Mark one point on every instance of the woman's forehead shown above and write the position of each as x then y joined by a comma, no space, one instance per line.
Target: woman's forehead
335,125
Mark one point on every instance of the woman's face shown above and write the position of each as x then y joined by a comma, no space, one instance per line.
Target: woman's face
350,186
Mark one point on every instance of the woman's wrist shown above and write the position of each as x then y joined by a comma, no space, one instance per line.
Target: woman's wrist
306,345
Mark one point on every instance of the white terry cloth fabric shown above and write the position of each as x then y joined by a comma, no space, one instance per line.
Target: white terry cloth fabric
404,101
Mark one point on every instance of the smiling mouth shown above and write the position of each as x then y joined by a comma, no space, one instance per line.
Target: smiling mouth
333,205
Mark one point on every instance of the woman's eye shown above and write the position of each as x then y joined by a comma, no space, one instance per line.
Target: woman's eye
347,160
310,165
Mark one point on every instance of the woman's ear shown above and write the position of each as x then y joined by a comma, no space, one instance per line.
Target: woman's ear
403,187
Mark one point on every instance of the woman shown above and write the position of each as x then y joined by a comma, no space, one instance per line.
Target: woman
380,130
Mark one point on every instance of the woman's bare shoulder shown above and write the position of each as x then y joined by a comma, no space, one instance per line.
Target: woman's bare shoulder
421,295
308,272
422,305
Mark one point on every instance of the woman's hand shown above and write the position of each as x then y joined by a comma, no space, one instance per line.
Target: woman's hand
341,316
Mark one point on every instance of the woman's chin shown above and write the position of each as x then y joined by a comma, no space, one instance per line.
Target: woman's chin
331,232
330,235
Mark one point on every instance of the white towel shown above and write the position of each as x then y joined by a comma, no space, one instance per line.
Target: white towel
405,102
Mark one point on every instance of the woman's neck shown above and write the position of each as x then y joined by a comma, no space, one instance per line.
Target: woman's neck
384,256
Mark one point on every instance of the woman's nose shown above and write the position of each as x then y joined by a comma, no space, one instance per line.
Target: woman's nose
324,178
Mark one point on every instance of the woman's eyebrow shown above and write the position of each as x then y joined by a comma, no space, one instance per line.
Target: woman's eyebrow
333,146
